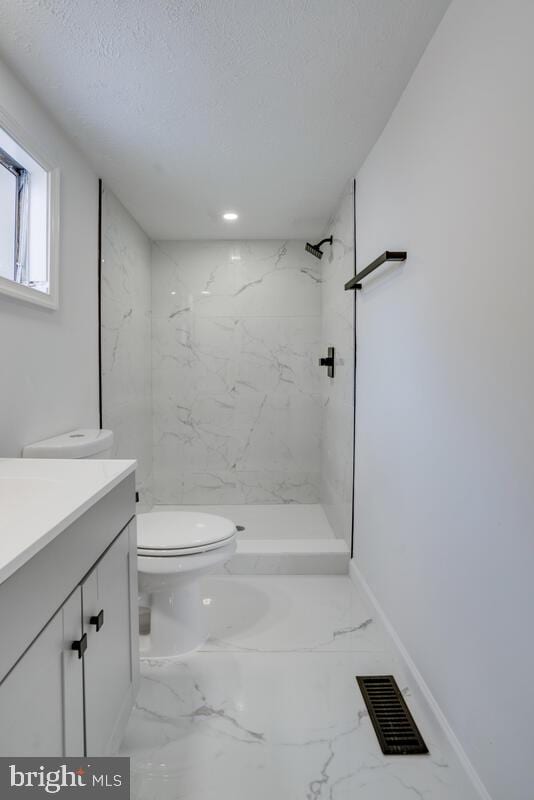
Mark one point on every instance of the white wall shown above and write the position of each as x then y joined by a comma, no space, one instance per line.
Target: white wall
337,330
235,335
49,359
126,350
445,398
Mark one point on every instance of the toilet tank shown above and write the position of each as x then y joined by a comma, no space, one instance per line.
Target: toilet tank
81,443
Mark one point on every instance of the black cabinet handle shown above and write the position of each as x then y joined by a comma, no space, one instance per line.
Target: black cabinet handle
98,621
80,646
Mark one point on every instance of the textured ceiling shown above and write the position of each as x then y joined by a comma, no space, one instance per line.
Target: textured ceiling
192,107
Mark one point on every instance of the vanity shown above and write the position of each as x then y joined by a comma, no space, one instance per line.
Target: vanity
69,660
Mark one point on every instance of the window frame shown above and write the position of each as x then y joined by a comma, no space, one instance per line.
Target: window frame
21,195
11,288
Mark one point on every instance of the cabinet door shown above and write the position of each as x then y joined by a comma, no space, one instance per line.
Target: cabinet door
112,656
41,699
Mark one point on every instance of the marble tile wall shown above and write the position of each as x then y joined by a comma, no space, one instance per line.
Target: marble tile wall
126,349
236,388
337,394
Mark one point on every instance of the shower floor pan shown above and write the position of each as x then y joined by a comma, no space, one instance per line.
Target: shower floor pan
286,539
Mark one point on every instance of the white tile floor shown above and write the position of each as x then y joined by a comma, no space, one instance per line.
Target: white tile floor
269,709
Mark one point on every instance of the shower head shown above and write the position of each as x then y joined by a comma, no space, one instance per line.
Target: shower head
315,249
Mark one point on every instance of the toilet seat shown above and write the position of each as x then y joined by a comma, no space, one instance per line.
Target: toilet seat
167,534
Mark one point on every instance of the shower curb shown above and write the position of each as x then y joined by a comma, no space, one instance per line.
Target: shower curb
288,557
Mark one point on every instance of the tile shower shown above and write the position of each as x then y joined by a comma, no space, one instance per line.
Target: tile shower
244,421
236,388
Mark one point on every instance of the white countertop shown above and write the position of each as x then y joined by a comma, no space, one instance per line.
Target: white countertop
39,498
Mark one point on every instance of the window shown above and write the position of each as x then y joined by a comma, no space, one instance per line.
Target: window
28,219
14,218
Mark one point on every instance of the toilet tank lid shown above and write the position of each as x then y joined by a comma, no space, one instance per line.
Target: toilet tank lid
81,443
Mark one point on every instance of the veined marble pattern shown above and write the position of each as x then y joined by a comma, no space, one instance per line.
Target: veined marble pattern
270,708
236,393
337,329
126,348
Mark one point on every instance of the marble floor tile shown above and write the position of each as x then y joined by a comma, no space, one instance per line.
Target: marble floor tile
274,613
275,724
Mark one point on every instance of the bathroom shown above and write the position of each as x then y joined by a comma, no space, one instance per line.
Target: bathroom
266,432
219,341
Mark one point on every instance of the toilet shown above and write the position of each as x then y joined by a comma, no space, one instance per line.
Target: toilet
81,443
174,550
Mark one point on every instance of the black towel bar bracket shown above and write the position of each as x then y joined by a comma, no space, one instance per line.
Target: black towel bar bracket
389,255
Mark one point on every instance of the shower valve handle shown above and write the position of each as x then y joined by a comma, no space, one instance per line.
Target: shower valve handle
328,362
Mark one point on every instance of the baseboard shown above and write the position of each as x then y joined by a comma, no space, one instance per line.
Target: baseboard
357,577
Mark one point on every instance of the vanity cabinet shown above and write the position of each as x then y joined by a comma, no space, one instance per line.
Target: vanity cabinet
41,700
71,689
109,597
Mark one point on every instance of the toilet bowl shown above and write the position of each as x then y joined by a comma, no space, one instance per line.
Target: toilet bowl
174,550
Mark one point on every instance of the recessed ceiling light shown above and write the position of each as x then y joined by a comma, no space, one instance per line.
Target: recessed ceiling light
230,216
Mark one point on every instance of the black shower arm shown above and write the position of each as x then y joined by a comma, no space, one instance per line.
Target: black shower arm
329,239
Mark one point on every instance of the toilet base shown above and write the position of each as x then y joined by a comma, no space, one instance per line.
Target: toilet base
170,586
178,622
